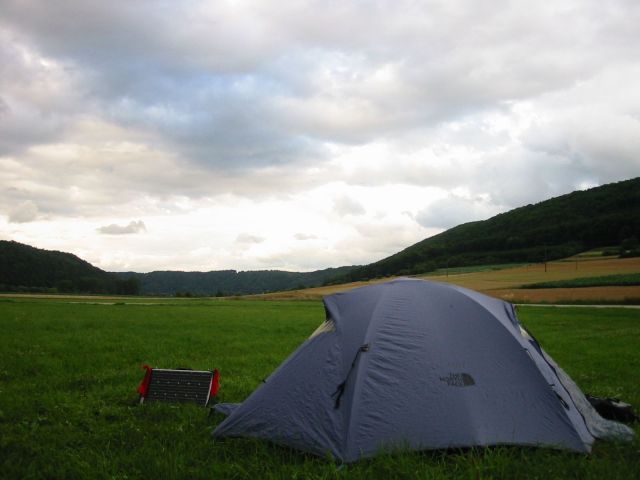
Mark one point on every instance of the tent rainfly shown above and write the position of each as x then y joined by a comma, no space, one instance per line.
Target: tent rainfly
413,364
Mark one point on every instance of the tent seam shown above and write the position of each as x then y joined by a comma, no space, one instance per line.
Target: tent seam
356,376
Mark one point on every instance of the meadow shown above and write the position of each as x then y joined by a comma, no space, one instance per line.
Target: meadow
69,369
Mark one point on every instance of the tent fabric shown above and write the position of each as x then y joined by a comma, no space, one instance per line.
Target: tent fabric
414,364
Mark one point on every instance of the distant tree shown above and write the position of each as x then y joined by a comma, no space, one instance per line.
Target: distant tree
630,243
630,247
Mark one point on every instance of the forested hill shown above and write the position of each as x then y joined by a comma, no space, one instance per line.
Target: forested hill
230,282
555,228
27,269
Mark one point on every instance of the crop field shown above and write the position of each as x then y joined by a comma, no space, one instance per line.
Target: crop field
555,271
507,282
628,280
69,369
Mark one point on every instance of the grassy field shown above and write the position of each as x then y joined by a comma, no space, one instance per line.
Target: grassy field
69,370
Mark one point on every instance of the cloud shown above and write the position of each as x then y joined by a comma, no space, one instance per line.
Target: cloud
24,212
454,210
248,239
305,75
346,205
305,236
599,137
131,228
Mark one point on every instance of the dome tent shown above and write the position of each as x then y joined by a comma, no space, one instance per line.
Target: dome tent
419,365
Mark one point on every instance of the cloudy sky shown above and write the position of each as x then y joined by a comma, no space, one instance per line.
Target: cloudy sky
149,135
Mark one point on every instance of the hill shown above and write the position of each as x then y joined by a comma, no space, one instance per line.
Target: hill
230,282
552,229
27,269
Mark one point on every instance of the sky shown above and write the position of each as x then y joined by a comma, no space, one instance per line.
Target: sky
300,135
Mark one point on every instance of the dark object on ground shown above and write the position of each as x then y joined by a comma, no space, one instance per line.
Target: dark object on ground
179,386
613,409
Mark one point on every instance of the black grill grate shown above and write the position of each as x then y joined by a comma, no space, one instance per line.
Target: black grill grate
179,386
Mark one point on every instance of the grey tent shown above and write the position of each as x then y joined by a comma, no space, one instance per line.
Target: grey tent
419,365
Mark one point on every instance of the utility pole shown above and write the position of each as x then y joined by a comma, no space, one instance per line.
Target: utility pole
545,258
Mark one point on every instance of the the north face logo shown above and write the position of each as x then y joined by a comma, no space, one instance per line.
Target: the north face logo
458,380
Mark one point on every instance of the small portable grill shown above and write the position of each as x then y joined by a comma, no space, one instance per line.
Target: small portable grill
179,386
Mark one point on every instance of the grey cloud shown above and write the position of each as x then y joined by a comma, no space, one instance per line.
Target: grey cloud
380,239
345,205
224,88
175,40
450,65
34,101
138,76
131,228
23,127
23,212
454,210
604,147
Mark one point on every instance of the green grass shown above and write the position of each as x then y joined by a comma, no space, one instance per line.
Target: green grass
625,280
68,407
